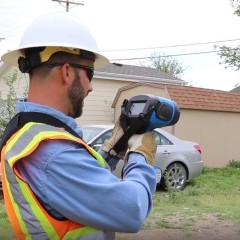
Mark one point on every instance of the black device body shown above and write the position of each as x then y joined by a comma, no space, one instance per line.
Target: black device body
144,113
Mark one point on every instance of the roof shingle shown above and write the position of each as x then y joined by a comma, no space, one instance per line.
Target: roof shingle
132,70
204,99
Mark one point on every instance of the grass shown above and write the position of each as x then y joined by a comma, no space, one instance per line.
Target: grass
216,192
5,228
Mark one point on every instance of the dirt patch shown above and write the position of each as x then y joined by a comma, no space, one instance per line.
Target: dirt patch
209,228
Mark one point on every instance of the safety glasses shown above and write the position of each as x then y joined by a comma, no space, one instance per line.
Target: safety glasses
89,70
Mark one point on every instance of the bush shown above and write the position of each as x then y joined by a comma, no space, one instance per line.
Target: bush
233,163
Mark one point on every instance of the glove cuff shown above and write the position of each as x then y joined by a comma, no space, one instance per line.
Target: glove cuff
147,154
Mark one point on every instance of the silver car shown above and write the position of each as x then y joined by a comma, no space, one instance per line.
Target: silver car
179,160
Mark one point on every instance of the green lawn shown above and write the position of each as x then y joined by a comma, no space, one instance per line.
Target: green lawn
5,229
215,192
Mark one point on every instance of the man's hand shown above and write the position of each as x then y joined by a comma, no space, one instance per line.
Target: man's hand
110,143
144,144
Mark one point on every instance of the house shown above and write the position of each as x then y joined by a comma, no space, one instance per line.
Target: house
236,89
208,117
106,82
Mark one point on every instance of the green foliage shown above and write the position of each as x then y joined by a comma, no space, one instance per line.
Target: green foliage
165,64
230,55
7,105
234,164
236,5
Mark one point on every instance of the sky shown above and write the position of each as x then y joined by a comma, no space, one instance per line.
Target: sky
128,29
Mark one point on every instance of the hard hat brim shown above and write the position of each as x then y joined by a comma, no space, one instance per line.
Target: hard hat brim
11,58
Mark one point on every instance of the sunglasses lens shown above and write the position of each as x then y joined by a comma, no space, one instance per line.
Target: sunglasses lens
89,70
90,74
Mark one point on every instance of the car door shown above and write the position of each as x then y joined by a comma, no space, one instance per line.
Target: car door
166,150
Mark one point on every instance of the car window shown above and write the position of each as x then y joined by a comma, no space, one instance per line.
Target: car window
90,132
102,138
162,140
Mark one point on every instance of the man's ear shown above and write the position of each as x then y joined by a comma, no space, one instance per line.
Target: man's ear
67,74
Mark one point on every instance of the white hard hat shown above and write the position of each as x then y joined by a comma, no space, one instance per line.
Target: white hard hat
56,31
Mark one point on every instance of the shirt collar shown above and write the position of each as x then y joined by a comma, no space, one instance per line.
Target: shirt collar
23,106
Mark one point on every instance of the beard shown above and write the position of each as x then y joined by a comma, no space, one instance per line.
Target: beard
76,96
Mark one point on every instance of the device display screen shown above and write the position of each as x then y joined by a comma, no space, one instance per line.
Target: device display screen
137,108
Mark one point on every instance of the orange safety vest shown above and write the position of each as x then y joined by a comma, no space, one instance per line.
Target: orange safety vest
27,216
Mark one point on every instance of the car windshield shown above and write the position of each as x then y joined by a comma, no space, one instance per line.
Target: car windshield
90,132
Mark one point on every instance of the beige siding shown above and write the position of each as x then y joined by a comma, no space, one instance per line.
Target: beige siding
216,132
97,106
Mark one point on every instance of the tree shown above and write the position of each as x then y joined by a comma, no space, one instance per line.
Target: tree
165,64
231,56
236,4
7,105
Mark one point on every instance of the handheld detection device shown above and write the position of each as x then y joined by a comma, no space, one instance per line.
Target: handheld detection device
144,113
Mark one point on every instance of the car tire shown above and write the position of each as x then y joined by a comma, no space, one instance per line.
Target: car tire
175,177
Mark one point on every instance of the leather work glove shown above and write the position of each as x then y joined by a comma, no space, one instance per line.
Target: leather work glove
144,144
110,143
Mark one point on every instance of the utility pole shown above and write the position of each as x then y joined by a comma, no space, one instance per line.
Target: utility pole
67,3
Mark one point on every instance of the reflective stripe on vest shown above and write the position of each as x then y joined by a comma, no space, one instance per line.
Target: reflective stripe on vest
28,218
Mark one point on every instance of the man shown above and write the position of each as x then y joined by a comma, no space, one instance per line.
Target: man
55,185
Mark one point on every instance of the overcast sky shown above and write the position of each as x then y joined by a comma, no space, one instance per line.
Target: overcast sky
137,28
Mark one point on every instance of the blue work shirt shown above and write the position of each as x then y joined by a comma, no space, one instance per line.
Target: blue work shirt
70,183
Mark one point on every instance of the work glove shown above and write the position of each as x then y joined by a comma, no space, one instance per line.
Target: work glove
110,143
144,144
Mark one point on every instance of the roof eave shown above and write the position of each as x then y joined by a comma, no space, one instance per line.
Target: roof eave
133,78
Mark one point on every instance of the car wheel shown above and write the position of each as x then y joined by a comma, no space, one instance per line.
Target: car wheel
175,176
